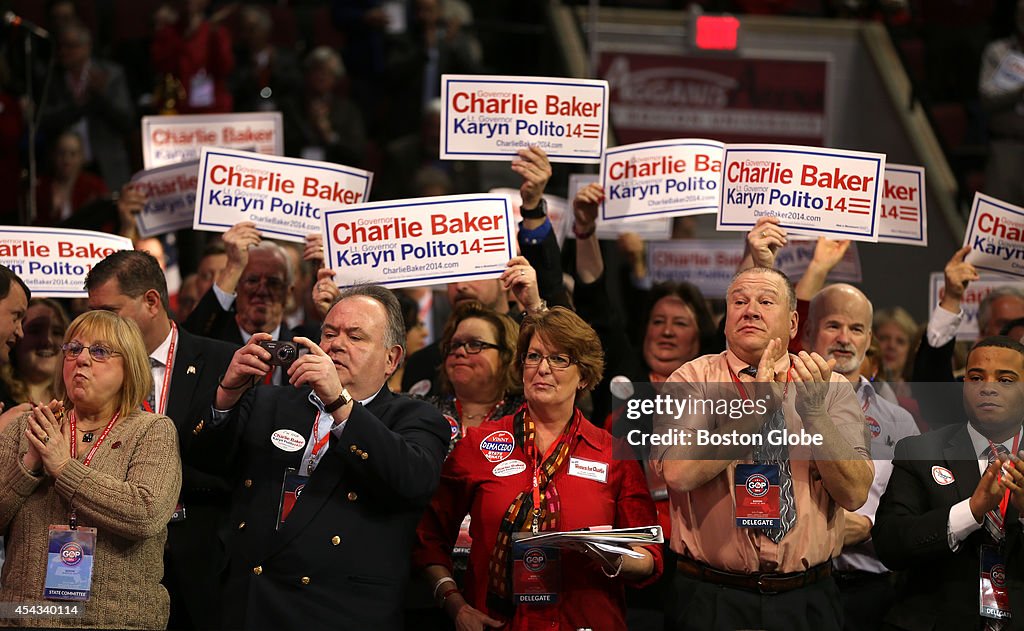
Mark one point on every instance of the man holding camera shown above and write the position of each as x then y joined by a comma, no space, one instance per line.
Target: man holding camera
334,471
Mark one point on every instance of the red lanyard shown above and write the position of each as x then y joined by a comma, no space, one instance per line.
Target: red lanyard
165,391
743,391
531,452
1006,496
96,445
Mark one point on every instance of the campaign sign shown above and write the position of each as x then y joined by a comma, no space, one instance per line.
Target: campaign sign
408,242
53,262
668,178
971,301
492,117
282,196
995,234
793,260
902,215
170,197
558,211
173,139
708,264
651,229
813,191
1010,74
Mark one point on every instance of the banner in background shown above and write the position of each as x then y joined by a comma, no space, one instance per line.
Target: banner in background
173,139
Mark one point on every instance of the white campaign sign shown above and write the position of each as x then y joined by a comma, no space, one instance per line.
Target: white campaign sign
902,215
969,304
666,178
53,262
995,234
422,241
793,259
658,228
173,139
284,197
492,117
708,264
813,191
170,197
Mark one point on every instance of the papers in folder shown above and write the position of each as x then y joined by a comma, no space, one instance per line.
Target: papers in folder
606,543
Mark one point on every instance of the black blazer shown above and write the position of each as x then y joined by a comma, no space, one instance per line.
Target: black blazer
341,560
910,533
194,557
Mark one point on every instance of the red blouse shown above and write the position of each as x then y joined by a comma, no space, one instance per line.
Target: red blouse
469,485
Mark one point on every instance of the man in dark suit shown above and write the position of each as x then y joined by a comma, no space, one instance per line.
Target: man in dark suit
947,496
334,471
250,293
186,368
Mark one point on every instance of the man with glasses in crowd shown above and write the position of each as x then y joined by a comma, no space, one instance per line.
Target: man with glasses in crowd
250,293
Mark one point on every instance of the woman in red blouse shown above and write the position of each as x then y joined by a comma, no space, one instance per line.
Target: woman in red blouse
546,455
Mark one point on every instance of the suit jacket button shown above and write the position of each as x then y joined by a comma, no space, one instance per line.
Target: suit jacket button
248,483
352,496
335,540
241,526
364,455
305,580
354,449
198,428
257,570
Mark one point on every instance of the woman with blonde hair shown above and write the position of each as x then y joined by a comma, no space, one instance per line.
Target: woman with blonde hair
91,476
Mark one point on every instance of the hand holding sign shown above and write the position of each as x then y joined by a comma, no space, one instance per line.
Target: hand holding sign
237,241
325,292
584,208
130,203
521,279
533,165
958,273
765,240
313,250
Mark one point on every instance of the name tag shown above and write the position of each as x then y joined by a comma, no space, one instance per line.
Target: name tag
597,471
994,600
536,573
757,496
69,563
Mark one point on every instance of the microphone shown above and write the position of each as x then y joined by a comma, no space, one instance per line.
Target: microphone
16,20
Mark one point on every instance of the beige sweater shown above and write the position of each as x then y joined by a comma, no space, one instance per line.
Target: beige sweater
127,493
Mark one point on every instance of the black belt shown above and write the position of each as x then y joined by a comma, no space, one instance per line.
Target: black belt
763,583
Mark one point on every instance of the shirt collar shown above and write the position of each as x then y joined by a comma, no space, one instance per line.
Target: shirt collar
981,443
248,336
162,352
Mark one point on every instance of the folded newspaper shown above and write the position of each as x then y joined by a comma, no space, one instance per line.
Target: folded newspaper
609,541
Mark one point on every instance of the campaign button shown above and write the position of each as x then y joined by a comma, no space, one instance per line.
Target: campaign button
942,475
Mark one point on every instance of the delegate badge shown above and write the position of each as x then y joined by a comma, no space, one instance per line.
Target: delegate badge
994,598
536,572
757,496
291,489
69,563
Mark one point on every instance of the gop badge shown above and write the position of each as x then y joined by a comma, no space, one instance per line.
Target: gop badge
873,425
942,475
757,496
497,446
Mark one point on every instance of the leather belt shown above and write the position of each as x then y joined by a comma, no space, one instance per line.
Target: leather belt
763,583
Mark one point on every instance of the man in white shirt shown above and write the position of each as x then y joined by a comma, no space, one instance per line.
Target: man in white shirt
949,517
839,327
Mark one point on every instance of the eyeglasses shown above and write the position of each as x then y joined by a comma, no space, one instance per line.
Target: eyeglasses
274,284
472,347
555,362
98,352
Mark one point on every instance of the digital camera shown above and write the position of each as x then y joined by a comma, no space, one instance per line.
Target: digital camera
283,353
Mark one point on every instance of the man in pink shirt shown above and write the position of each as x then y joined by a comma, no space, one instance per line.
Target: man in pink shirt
758,479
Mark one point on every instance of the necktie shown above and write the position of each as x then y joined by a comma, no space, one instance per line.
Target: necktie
993,518
767,453
151,398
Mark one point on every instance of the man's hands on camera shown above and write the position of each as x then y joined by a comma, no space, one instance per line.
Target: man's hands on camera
248,365
317,370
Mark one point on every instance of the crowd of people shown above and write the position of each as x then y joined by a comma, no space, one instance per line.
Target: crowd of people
254,447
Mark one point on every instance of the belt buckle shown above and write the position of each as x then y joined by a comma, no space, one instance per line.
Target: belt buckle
762,582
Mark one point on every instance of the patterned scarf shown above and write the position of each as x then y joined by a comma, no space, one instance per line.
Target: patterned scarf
519,516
